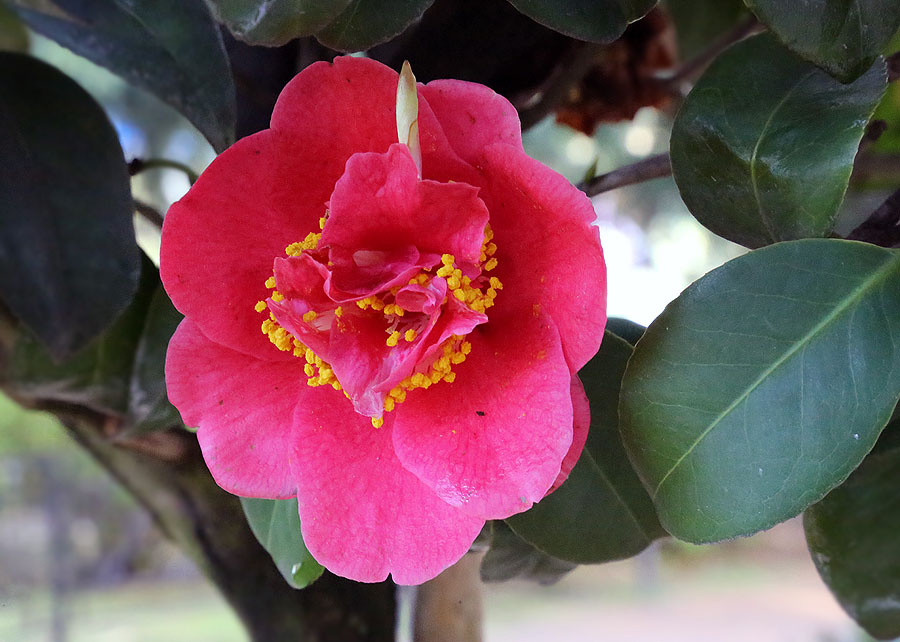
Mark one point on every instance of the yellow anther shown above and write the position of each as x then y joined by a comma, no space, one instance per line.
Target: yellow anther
339,312
377,304
450,377
459,294
309,369
490,249
399,394
277,296
364,303
453,283
270,282
322,223
495,283
377,422
389,404
466,347
310,316
260,306
393,339
490,265
409,335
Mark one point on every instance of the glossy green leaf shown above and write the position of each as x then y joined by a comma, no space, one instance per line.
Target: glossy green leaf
276,524
593,20
366,23
601,512
842,37
171,48
763,146
510,557
852,536
625,329
699,22
763,385
148,404
275,22
69,262
96,376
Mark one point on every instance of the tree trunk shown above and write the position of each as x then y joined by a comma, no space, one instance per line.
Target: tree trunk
166,474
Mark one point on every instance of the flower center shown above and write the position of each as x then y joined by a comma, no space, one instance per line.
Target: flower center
403,326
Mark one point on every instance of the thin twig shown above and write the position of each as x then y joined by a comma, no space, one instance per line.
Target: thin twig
692,68
643,170
149,213
568,72
139,165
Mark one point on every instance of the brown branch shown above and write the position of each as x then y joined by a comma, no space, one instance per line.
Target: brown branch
883,225
692,68
149,213
573,66
643,170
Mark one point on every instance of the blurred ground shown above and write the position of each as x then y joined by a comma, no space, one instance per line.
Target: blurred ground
763,589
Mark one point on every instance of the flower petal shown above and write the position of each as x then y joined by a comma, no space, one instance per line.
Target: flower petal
241,406
219,241
362,514
379,203
582,421
555,260
472,117
492,441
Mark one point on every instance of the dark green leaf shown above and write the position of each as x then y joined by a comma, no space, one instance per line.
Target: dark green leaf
842,37
275,22
763,147
601,512
625,329
69,262
148,405
511,557
764,385
699,22
13,34
276,524
852,536
366,23
96,376
171,48
593,20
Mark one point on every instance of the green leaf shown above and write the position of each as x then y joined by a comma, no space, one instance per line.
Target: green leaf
96,376
511,557
148,404
699,22
171,48
601,512
763,385
625,329
276,524
366,23
852,537
593,20
840,36
69,262
763,146
275,22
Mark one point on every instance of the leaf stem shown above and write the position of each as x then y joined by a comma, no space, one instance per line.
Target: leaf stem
139,165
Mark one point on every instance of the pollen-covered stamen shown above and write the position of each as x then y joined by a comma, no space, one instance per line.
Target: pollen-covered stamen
408,315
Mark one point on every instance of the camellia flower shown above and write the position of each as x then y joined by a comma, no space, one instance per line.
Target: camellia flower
386,304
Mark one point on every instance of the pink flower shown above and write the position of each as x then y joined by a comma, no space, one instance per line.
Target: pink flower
415,372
